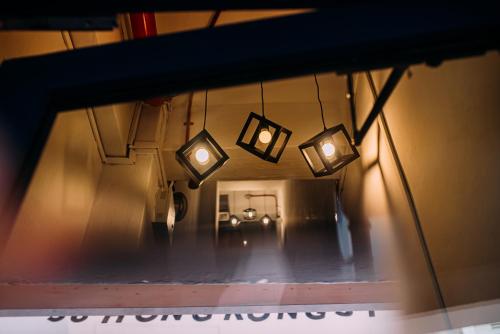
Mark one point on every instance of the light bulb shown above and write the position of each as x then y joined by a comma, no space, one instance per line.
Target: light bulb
265,136
265,220
245,242
328,149
234,221
201,156
250,214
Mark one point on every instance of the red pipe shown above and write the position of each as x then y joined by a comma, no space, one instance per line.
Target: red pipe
144,25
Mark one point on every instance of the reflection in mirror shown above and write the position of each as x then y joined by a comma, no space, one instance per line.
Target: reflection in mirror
109,202
288,230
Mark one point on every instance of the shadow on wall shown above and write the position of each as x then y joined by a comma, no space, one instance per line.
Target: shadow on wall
373,197
445,123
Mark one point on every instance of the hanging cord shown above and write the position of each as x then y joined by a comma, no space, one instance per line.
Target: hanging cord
265,209
319,100
262,99
205,117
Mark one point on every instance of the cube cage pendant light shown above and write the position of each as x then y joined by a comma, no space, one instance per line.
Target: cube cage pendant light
325,153
330,150
262,137
201,156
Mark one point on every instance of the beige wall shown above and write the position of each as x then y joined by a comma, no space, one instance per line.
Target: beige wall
444,122
73,200
121,207
113,122
53,217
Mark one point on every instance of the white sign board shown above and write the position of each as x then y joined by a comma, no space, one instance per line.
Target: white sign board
291,323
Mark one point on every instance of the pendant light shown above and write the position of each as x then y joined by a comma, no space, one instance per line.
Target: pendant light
233,219
202,155
262,137
330,150
266,219
249,213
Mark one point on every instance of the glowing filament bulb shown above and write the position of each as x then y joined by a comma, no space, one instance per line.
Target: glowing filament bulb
201,156
250,214
266,220
234,221
265,136
328,149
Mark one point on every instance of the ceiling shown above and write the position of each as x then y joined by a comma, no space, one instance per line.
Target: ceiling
291,103
171,22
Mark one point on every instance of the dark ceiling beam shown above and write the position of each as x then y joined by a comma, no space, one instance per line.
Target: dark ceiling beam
211,23
343,41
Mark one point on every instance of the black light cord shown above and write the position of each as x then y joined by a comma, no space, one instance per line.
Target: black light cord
319,100
205,117
262,99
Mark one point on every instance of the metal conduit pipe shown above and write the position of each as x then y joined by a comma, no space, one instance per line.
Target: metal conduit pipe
267,195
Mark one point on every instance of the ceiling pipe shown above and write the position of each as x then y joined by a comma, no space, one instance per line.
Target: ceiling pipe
188,122
248,196
143,26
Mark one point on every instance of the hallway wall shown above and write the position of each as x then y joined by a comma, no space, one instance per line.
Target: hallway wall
53,217
444,122
67,203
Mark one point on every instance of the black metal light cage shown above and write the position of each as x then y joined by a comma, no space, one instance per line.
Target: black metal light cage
237,220
249,138
250,214
270,220
198,171
321,164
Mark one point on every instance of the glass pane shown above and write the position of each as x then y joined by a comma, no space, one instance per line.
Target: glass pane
254,123
341,143
279,143
313,159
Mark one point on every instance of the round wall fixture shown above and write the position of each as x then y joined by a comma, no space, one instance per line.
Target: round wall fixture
180,205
